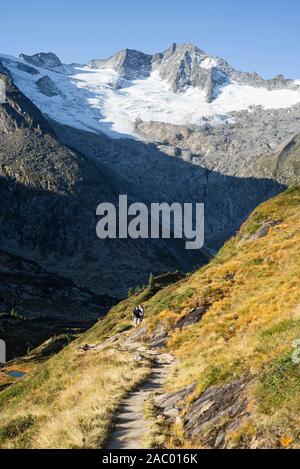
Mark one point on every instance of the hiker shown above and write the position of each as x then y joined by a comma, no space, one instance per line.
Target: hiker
142,310
138,315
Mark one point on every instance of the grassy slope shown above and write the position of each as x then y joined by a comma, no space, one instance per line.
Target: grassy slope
252,289
69,401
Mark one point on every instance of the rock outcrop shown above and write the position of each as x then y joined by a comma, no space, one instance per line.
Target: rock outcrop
170,404
27,68
18,112
46,60
192,317
218,412
131,64
211,420
47,87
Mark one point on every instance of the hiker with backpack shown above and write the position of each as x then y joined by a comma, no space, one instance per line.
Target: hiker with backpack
142,310
138,315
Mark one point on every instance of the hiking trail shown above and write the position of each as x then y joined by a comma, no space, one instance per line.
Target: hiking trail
131,425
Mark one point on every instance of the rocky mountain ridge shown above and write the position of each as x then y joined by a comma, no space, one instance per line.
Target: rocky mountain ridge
184,66
47,60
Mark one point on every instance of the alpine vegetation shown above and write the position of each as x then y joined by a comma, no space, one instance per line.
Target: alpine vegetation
162,221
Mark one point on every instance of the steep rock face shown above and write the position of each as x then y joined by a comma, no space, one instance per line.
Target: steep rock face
131,64
186,65
18,112
286,163
241,147
181,66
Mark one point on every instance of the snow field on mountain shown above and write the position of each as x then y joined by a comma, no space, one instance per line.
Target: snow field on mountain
98,100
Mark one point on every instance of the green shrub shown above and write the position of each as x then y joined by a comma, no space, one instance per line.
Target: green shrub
279,384
279,329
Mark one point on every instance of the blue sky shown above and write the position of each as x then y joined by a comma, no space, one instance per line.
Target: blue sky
252,35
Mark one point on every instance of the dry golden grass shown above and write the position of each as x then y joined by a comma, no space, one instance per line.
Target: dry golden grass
254,291
73,401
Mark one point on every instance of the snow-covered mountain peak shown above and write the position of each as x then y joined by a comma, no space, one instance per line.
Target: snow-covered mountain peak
183,66
182,85
47,60
129,63
178,65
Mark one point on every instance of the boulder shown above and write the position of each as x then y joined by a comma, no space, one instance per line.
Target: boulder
170,404
192,317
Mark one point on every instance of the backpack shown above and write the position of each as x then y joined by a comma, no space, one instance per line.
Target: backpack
137,313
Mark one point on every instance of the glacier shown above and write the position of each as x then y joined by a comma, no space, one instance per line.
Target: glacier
100,100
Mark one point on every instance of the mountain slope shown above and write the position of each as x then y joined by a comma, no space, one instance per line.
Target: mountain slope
285,164
211,157
48,212
36,304
231,326
174,168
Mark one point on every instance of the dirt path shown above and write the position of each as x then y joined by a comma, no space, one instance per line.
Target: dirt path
131,426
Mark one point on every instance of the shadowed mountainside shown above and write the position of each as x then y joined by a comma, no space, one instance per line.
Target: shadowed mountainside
48,211
161,175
